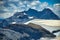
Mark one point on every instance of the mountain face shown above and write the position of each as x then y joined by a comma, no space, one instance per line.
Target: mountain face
19,17
49,14
22,17
45,14
3,23
25,32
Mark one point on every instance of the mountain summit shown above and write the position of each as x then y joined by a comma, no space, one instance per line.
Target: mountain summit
45,14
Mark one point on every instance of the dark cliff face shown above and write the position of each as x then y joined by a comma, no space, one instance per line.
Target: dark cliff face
1,36
56,31
33,32
3,23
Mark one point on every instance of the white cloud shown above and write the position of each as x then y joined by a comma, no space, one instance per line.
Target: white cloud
6,15
20,3
44,38
13,6
42,6
35,4
56,9
13,0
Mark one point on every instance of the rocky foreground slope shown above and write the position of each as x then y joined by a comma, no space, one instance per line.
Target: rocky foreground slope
23,32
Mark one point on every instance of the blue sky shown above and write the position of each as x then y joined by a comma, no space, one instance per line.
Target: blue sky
51,1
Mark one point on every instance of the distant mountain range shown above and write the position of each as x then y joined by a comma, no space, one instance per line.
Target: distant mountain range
45,14
19,17
22,17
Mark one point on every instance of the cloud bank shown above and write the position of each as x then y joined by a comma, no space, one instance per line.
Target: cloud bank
56,8
13,6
